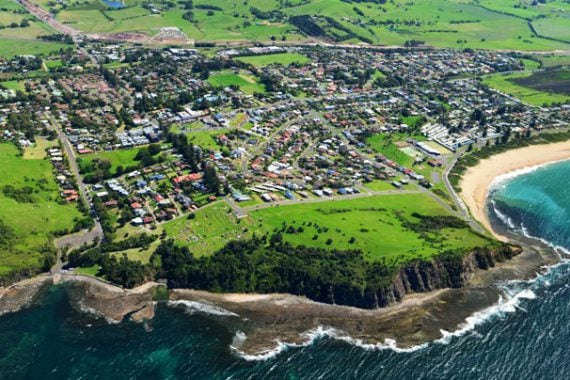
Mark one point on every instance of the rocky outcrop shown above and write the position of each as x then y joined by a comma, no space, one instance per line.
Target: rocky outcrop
23,294
111,302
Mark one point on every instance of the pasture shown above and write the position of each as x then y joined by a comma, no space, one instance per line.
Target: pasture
33,223
442,23
514,84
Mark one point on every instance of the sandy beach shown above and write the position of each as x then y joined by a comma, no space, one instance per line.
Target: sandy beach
476,182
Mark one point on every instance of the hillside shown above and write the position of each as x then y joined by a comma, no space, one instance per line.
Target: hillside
524,25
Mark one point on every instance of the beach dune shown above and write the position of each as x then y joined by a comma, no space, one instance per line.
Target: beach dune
476,182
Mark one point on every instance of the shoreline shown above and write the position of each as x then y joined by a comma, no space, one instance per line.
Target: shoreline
264,325
476,183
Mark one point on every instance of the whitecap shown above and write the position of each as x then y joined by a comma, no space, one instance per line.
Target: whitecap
198,307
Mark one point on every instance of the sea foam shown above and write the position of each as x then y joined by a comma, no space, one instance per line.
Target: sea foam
198,307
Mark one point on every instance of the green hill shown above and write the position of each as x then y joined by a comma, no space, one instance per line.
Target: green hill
524,25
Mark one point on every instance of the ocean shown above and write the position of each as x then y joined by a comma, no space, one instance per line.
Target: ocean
525,336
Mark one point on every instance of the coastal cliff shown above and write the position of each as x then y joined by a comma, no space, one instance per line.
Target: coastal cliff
443,271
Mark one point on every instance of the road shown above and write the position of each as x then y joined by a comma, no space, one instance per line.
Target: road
463,210
46,17
325,199
84,237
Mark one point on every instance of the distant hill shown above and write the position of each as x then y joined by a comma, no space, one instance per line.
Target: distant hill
492,24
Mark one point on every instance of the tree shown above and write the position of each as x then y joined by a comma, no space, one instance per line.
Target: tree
211,180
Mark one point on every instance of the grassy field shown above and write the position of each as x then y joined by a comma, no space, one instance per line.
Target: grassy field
213,226
14,85
554,60
247,83
33,223
373,222
10,47
385,144
512,84
122,157
443,23
38,150
283,59
376,225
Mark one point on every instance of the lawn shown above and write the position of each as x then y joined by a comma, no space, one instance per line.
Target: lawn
373,224
247,83
33,223
121,157
554,60
507,84
53,64
283,59
206,139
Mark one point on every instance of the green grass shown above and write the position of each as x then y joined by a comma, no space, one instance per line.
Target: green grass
530,64
10,47
385,144
441,23
554,60
38,150
88,271
33,223
213,226
283,59
53,64
371,221
506,84
379,185
140,254
247,83
122,157
14,85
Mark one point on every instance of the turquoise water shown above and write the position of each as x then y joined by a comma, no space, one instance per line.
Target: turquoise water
526,337
536,203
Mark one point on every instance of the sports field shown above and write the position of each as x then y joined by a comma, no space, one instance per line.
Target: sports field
283,59
247,83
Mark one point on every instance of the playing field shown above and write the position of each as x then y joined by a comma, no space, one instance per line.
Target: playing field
283,59
247,83
385,144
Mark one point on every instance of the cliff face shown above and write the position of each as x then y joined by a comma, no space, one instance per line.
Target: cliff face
444,271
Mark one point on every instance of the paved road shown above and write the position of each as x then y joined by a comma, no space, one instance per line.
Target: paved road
463,210
46,17
84,237
326,199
